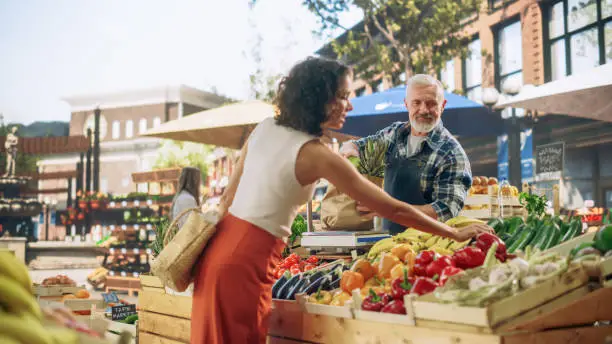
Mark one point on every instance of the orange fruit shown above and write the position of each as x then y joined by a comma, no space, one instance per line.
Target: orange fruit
68,296
82,294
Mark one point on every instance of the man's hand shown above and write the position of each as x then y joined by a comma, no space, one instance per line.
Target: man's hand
349,149
470,231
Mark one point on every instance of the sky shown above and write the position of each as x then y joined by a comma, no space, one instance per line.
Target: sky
53,49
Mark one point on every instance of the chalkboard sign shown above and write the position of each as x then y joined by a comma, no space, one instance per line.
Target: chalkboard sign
122,312
549,158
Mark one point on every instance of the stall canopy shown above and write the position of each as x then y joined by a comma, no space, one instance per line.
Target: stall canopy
226,126
462,117
587,94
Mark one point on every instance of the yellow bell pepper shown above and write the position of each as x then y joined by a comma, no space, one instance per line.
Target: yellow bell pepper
387,262
340,298
321,297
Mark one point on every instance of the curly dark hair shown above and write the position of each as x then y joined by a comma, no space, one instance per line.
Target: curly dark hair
303,94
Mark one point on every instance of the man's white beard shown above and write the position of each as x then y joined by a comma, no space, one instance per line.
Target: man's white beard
423,127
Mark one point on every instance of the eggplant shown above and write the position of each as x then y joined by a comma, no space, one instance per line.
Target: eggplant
314,286
278,285
284,290
326,284
335,284
294,290
315,276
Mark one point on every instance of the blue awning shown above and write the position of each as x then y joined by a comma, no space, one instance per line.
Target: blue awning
462,116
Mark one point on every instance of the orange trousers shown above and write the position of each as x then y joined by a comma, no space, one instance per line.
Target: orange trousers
233,284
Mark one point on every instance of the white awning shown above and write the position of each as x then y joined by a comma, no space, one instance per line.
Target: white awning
586,94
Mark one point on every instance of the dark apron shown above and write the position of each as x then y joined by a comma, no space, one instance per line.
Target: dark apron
403,181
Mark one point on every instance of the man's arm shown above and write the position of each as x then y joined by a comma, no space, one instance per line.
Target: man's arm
451,185
352,148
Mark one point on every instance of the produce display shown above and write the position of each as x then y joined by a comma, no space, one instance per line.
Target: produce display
294,265
599,247
322,279
480,186
495,280
59,280
23,321
536,233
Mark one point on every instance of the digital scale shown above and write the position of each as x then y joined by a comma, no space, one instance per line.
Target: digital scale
341,241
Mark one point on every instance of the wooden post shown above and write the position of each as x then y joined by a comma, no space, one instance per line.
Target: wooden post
556,199
88,163
96,151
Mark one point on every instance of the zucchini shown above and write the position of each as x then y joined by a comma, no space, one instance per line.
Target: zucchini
571,232
522,235
516,234
554,237
540,244
536,238
532,233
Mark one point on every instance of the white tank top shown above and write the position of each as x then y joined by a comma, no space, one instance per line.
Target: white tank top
269,194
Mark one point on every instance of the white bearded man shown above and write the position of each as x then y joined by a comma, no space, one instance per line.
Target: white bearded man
425,165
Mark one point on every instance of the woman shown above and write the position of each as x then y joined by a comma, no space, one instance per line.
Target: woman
275,174
187,194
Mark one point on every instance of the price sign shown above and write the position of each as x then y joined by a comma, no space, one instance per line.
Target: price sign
122,312
136,251
124,204
136,227
110,297
137,203
123,227
123,274
112,204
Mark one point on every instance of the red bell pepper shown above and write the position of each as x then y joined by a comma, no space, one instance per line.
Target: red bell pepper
425,257
485,240
435,268
394,307
374,302
448,272
279,273
469,257
401,286
420,269
423,285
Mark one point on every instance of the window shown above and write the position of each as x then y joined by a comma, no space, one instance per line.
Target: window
156,122
447,75
509,60
129,128
116,130
578,36
142,125
472,76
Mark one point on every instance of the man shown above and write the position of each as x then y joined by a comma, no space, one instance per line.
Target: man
11,152
426,165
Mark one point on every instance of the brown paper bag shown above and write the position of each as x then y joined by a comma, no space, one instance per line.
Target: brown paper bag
339,211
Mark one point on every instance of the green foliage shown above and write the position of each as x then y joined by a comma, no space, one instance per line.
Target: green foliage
298,227
182,154
535,205
412,36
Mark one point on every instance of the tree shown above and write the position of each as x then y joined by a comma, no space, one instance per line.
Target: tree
180,154
413,36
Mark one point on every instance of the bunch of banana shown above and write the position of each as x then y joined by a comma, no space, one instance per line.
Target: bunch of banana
420,241
20,315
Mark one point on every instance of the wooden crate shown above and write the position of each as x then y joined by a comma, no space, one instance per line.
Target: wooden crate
493,315
129,284
54,292
163,318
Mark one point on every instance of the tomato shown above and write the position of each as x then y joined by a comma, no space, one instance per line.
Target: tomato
295,269
313,260
279,273
308,267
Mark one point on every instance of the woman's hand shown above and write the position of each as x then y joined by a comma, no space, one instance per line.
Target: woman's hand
470,231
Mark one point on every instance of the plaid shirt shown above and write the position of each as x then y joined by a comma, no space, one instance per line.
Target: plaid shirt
447,175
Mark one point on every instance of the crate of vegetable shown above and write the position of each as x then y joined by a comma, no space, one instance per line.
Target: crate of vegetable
497,292
596,254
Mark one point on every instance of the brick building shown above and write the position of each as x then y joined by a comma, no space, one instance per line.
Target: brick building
533,42
124,116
